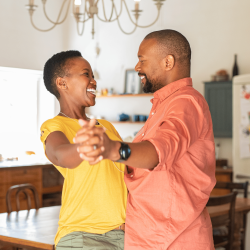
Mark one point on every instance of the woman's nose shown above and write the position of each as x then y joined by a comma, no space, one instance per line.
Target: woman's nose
93,81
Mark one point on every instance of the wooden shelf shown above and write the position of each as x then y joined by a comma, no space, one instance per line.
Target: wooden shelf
124,95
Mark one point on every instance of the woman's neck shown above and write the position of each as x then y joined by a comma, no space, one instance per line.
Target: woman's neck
73,112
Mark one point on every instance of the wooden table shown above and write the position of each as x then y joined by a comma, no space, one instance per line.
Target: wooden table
32,230
37,229
242,206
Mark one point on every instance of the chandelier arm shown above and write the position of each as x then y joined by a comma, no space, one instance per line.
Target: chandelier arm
141,26
109,21
104,12
112,11
31,20
45,30
84,20
127,33
86,11
83,26
45,13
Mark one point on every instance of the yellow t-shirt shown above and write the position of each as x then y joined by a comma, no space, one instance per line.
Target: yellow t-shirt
94,196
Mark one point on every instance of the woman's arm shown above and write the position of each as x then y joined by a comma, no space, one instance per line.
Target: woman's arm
60,151
64,154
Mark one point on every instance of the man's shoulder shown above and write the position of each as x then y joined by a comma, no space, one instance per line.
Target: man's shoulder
190,94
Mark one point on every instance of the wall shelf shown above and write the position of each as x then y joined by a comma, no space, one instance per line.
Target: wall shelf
125,95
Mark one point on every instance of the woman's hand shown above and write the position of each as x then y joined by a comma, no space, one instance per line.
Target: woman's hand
94,144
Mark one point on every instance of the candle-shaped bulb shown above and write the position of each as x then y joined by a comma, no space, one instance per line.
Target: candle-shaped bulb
31,2
77,6
137,4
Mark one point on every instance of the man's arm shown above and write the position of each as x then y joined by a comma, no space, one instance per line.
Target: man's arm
143,154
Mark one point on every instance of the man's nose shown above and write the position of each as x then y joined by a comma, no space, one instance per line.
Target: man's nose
137,67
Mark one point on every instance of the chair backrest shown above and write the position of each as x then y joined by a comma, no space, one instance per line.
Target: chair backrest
233,185
227,220
18,189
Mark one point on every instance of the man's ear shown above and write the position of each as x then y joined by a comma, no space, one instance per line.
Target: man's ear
61,83
169,62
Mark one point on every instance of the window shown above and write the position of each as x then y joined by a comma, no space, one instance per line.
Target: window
24,105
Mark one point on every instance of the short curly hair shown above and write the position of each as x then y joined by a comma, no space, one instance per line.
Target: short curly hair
55,67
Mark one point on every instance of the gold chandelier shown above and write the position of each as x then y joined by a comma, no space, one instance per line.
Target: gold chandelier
90,10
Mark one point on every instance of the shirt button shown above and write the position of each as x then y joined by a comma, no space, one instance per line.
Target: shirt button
152,113
143,134
131,176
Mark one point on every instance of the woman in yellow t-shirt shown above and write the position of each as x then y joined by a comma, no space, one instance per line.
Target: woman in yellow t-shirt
94,197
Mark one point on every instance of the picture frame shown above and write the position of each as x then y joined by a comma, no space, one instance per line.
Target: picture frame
132,82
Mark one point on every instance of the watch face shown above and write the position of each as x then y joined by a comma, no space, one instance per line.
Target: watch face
124,151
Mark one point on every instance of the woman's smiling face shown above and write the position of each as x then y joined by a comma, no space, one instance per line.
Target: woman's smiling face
80,83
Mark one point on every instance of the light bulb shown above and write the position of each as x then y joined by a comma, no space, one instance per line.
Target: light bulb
78,2
137,4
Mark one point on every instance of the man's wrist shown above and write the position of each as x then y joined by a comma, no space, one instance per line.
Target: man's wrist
115,151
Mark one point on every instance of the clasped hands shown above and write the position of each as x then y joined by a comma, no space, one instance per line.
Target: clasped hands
93,143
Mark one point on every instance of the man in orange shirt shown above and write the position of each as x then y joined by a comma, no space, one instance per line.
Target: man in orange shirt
171,162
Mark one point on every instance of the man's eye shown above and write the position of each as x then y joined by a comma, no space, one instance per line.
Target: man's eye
87,74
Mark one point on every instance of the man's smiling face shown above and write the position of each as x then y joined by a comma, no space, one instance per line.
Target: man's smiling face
150,67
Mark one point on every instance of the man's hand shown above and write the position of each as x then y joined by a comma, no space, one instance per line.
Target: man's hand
94,144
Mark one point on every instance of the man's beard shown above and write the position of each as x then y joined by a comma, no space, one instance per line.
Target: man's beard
151,86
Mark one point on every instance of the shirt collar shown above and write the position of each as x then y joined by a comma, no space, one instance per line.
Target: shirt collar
172,87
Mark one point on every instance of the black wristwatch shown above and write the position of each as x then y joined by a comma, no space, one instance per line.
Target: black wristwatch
124,152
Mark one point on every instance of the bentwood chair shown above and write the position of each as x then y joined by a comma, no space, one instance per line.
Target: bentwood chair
243,186
225,241
22,188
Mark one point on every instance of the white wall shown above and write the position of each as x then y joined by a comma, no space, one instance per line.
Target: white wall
22,46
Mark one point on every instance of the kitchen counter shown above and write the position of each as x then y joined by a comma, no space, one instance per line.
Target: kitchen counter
18,164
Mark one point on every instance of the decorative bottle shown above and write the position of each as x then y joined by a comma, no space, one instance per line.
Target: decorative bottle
235,67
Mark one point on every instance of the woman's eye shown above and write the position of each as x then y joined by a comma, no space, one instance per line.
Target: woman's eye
87,74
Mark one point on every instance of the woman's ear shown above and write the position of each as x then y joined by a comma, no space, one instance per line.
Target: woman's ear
61,83
169,62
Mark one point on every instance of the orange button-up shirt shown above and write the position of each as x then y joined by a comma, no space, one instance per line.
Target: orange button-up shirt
166,207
